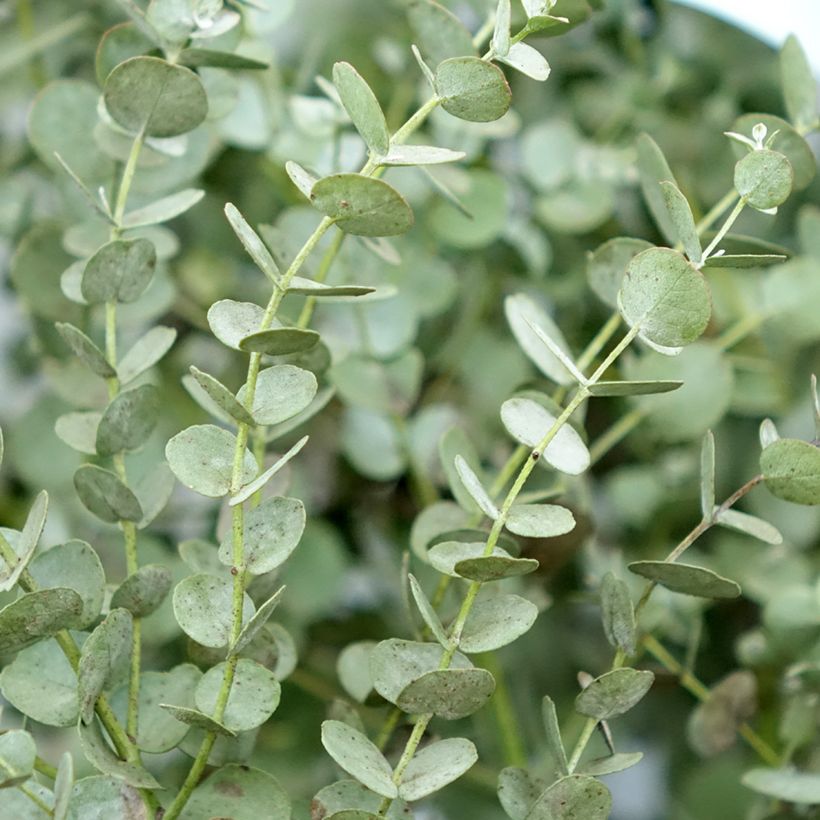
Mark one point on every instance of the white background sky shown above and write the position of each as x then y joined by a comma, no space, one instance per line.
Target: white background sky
772,21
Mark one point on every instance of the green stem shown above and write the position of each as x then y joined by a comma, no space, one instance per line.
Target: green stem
129,528
45,768
712,216
505,716
596,345
125,183
696,687
388,727
324,267
730,220
740,330
619,657
619,431
36,800
25,23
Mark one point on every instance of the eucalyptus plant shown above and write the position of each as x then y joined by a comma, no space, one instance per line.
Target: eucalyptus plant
260,357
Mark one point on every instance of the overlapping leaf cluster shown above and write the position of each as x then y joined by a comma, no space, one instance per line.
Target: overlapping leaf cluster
338,339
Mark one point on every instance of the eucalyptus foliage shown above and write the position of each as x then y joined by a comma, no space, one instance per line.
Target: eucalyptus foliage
393,402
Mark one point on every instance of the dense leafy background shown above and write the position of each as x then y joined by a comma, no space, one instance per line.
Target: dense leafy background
546,185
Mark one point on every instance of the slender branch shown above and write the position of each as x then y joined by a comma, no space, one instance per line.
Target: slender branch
617,433
713,215
618,660
730,220
371,168
324,267
129,528
693,685
580,396
505,716
36,800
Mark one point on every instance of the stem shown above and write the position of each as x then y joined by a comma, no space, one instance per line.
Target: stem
387,729
730,220
510,731
36,800
596,345
25,24
619,431
696,687
738,331
324,267
620,657
45,768
711,217
129,528
127,179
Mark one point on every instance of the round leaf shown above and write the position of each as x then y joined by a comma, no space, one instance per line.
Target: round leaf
103,494
74,565
119,271
436,765
164,100
576,796
539,520
272,532
614,693
142,592
232,321
528,422
448,693
282,391
17,754
202,457
764,179
495,621
41,683
665,297
238,792
128,420
791,470
362,205
472,89
103,660
467,560
395,663
38,615
203,606
193,717
100,796
618,614
157,730
253,698
359,757
100,754
86,350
